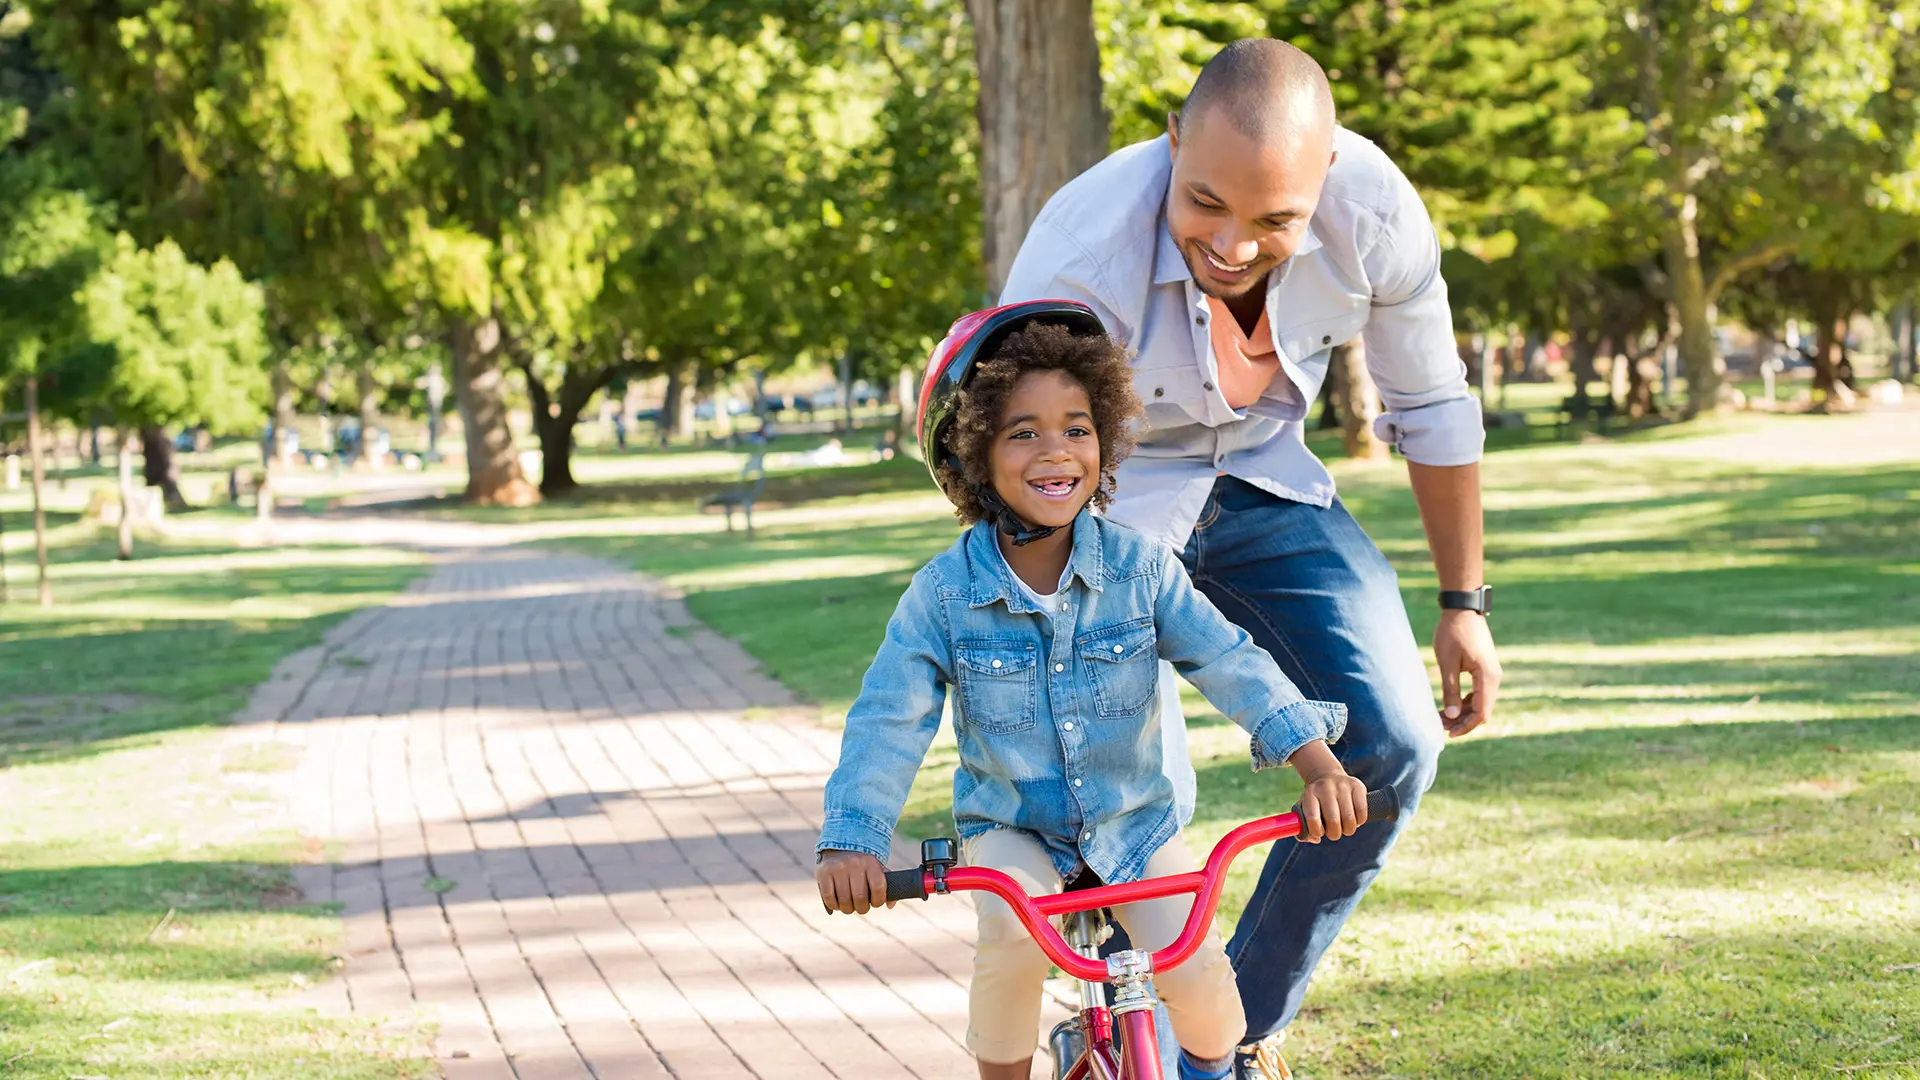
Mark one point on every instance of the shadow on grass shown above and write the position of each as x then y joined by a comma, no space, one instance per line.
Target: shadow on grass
682,495
817,633
1783,1002
134,651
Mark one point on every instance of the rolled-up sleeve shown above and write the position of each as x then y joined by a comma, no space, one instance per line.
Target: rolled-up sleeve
889,727
1428,411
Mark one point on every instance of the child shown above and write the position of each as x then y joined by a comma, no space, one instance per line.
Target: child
1050,623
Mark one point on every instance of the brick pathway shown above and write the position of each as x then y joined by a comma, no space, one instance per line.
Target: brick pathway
561,835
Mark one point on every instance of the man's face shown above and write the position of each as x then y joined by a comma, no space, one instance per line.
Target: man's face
1238,206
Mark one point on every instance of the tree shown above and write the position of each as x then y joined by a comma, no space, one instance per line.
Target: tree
50,241
285,138
1041,114
1748,125
165,342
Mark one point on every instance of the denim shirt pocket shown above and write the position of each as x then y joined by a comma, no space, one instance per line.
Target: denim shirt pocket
996,685
1123,665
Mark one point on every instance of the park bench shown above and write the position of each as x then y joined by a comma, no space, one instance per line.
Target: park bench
742,495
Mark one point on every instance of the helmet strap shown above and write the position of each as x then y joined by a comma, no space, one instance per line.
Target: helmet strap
1003,516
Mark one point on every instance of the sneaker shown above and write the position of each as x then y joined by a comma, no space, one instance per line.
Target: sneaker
1261,1060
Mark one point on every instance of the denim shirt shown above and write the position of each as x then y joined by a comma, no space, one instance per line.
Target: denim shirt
1057,718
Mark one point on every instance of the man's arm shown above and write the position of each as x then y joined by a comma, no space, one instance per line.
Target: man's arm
1449,498
1435,421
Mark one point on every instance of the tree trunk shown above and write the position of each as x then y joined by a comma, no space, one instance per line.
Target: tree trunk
907,389
1830,389
1041,119
1910,348
630,404
1483,344
369,413
128,441
1583,357
1699,360
282,450
1336,374
493,471
1358,401
159,468
39,479
846,391
676,412
555,417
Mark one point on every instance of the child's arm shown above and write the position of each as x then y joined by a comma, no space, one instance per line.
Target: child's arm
1242,681
888,730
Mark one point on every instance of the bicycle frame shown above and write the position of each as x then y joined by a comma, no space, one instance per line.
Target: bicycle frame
1129,973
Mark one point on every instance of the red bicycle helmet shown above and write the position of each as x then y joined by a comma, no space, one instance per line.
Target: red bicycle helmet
970,340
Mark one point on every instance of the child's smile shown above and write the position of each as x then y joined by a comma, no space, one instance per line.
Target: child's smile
1046,457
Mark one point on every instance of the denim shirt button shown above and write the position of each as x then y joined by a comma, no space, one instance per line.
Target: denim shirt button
1076,781
1068,725
1086,836
1059,667
996,663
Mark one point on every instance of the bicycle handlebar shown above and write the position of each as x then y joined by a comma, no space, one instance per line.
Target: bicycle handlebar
1204,884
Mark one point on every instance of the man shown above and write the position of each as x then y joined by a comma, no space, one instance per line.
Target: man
1231,257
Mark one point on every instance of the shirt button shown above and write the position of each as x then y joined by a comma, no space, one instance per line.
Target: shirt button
1076,781
1199,320
1206,386
1119,648
1068,725
1326,339
996,663
1086,836
1159,391
1059,667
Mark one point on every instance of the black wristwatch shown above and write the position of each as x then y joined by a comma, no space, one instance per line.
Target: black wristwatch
1480,600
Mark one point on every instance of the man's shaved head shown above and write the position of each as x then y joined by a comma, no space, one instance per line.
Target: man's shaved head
1251,149
1268,90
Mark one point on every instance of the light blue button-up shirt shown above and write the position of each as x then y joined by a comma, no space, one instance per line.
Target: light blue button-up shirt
1368,266
1056,721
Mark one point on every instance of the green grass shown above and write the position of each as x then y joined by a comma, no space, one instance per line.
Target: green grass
1688,845
148,927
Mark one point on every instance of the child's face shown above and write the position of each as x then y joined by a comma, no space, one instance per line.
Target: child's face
1045,459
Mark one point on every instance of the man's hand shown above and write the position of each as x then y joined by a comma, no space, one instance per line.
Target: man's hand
851,882
1334,804
1463,645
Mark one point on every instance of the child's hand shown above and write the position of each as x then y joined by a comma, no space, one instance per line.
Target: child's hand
851,882
1334,804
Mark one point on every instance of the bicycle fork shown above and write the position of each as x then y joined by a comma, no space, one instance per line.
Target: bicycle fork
1084,1048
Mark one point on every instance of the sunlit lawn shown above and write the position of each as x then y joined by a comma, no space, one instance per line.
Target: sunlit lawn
147,924
1689,845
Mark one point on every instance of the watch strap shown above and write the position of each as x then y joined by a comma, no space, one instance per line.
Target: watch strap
1479,600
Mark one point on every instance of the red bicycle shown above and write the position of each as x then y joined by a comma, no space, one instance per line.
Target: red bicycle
1089,1047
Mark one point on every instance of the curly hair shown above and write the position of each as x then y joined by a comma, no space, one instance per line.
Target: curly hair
1094,361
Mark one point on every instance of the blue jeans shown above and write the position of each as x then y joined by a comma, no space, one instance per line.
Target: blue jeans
1315,592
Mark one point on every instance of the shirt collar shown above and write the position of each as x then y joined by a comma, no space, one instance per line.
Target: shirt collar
993,578
1169,267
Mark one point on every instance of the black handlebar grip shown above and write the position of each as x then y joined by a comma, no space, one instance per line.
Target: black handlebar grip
1383,804
906,885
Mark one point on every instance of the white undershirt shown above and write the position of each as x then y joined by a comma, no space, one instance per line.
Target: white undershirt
1046,602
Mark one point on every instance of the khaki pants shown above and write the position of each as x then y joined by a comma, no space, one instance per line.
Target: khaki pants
1009,970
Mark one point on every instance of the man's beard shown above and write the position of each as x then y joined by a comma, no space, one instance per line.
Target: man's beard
1254,281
